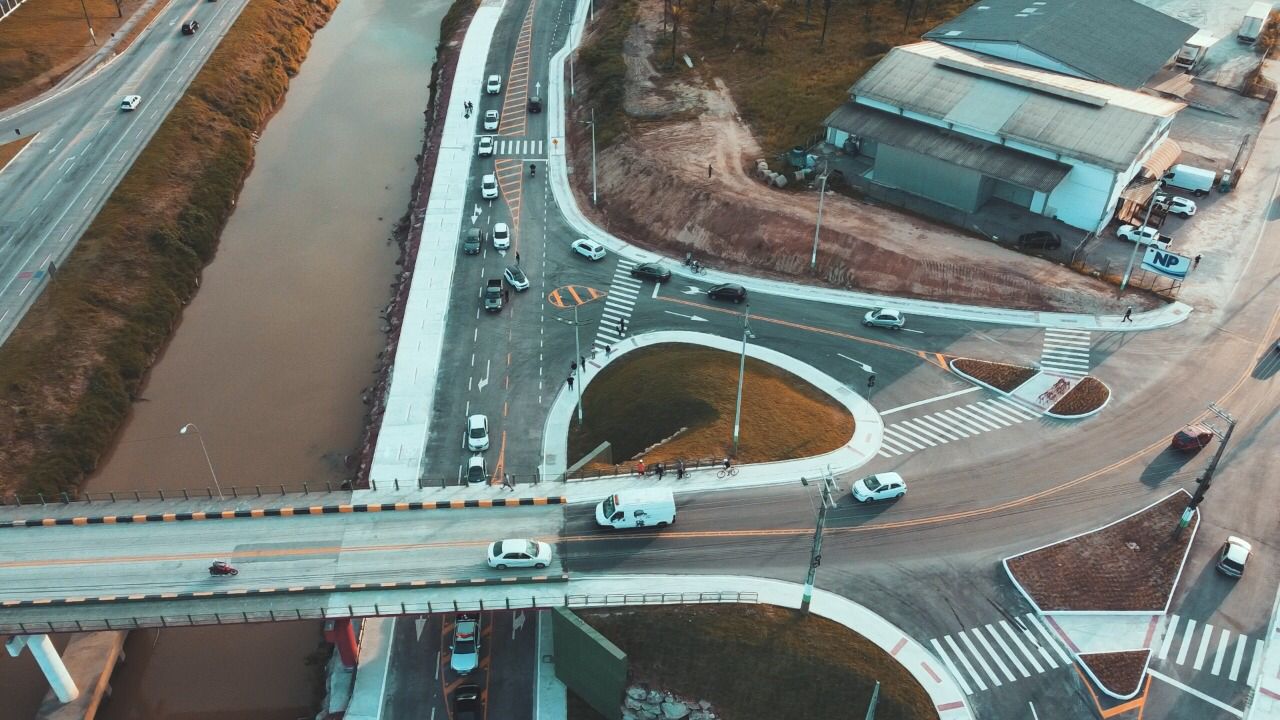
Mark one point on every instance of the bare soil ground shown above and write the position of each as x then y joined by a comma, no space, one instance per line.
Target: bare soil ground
1088,395
1119,672
10,150
998,375
655,192
1129,566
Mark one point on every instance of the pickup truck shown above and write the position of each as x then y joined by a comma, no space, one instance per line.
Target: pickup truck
1144,235
493,295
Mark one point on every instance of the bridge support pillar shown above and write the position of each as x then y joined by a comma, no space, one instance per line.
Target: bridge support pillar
64,688
341,633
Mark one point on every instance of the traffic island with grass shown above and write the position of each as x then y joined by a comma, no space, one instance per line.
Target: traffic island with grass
758,661
1064,398
676,401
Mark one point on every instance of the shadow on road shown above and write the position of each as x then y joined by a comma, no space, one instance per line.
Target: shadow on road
851,513
1166,465
1269,364
1206,592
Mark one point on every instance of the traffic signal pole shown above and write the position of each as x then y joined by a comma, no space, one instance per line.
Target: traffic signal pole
815,554
1206,479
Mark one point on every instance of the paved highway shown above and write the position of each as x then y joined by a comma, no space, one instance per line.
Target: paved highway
85,143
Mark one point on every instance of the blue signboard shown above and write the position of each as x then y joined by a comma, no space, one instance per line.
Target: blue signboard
1168,264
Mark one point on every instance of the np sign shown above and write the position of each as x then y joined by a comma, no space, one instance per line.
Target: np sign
1166,263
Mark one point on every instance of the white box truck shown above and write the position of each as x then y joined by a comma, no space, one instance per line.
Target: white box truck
1255,21
637,508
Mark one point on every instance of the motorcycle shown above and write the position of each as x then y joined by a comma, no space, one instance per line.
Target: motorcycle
221,568
533,170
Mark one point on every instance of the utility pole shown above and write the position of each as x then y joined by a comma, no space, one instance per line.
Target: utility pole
89,22
742,367
875,700
1134,255
822,195
815,555
1207,478
592,123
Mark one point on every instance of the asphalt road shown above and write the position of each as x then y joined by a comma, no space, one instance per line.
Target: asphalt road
85,143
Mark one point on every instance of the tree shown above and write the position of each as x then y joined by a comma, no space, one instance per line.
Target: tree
728,18
826,15
676,13
906,20
766,13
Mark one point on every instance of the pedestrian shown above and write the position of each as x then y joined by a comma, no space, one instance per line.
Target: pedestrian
640,467
517,257
508,482
608,350
1196,263
1128,314
573,365
680,469
708,171
506,295
570,381
662,470
17,131
582,360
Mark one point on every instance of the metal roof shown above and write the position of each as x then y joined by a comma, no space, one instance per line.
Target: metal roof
1089,121
967,151
1122,42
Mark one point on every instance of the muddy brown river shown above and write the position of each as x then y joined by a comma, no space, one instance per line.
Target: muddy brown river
273,352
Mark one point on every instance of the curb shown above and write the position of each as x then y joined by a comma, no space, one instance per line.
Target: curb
291,511
287,590
1044,413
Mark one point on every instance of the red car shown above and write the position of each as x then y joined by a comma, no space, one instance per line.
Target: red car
1192,437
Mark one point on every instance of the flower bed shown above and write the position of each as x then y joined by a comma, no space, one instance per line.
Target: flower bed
1119,673
1088,395
998,375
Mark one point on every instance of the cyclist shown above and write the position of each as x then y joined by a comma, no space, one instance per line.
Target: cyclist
533,170
727,463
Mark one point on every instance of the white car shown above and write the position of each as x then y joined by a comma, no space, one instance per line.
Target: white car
476,472
883,486
1233,556
130,102
464,653
484,148
885,318
477,433
1176,205
489,187
501,236
1145,235
519,553
516,278
494,84
490,119
588,248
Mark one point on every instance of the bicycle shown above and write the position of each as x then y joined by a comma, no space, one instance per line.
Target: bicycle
729,471
698,268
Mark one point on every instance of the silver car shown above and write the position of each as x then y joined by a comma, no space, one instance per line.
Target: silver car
885,318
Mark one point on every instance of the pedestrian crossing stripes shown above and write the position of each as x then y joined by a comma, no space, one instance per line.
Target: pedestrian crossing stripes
984,658
1065,352
615,319
522,148
945,426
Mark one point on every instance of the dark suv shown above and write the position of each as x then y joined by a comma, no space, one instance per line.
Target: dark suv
472,240
1039,240
535,104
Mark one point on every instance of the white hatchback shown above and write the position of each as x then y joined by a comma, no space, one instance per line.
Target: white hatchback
130,102
484,148
885,318
519,553
489,187
501,236
477,433
490,119
883,486
494,85
588,248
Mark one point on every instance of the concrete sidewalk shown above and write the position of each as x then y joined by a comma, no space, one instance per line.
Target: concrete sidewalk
1265,702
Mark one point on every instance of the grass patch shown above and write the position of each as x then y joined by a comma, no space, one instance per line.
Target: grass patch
9,151
72,367
689,392
783,82
998,375
1088,395
601,51
759,661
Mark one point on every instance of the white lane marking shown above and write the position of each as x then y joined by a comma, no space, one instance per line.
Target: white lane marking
1031,657
1168,637
1242,641
1255,667
925,431
936,428
1192,691
918,403
981,660
1017,409
1206,634
999,411
902,439
952,668
977,632
981,422
977,409
1221,654
965,661
965,422
943,422
1186,642
1050,638
906,430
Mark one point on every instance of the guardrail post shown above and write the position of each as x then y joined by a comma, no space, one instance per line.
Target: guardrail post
235,493
429,611
113,495
161,491
443,482
306,490
41,496
137,496
185,495
209,493
327,487
373,484
259,489
281,489
397,484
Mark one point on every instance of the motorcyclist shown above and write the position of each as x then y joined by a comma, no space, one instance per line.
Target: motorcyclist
533,170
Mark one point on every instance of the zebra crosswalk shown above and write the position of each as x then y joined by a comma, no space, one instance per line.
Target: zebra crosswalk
618,304
1230,654
522,148
1065,352
939,428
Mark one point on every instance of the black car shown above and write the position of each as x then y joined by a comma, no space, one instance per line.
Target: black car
651,271
190,28
472,241
728,291
466,703
1039,240
535,104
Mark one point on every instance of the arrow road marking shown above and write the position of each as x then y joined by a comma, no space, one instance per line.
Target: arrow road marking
865,367
918,332
485,380
656,286
694,318
475,213
692,290
418,626
517,623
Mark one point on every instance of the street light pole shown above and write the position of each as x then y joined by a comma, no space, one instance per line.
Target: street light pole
205,450
742,366
577,350
815,554
1134,255
822,195
1202,485
593,155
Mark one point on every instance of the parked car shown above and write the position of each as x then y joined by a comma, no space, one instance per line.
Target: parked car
885,318
501,236
1233,556
589,249
476,472
651,271
130,102
519,553
464,652
489,187
1192,437
883,486
727,291
516,278
472,240
1039,240
467,704
1145,235
477,433
493,85
1198,180
484,146
1176,205
490,119
190,28
535,104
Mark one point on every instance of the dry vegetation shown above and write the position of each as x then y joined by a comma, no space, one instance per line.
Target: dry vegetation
10,150
997,375
761,662
71,369
654,393
1119,672
1088,395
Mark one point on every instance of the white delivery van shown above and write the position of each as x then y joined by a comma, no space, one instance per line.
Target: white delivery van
637,508
1198,180
1255,20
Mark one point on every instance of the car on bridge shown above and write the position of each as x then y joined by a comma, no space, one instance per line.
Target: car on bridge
472,241
727,291
464,653
484,146
885,318
501,236
516,278
882,486
190,28
651,271
489,186
477,433
490,119
493,85
589,249
535,104
519,553
130,102
476,472
467,704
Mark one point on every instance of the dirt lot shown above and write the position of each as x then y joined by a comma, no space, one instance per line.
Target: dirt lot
655,192
1131,565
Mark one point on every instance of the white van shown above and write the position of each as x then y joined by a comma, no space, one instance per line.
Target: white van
637,508
1198,180
1255,21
